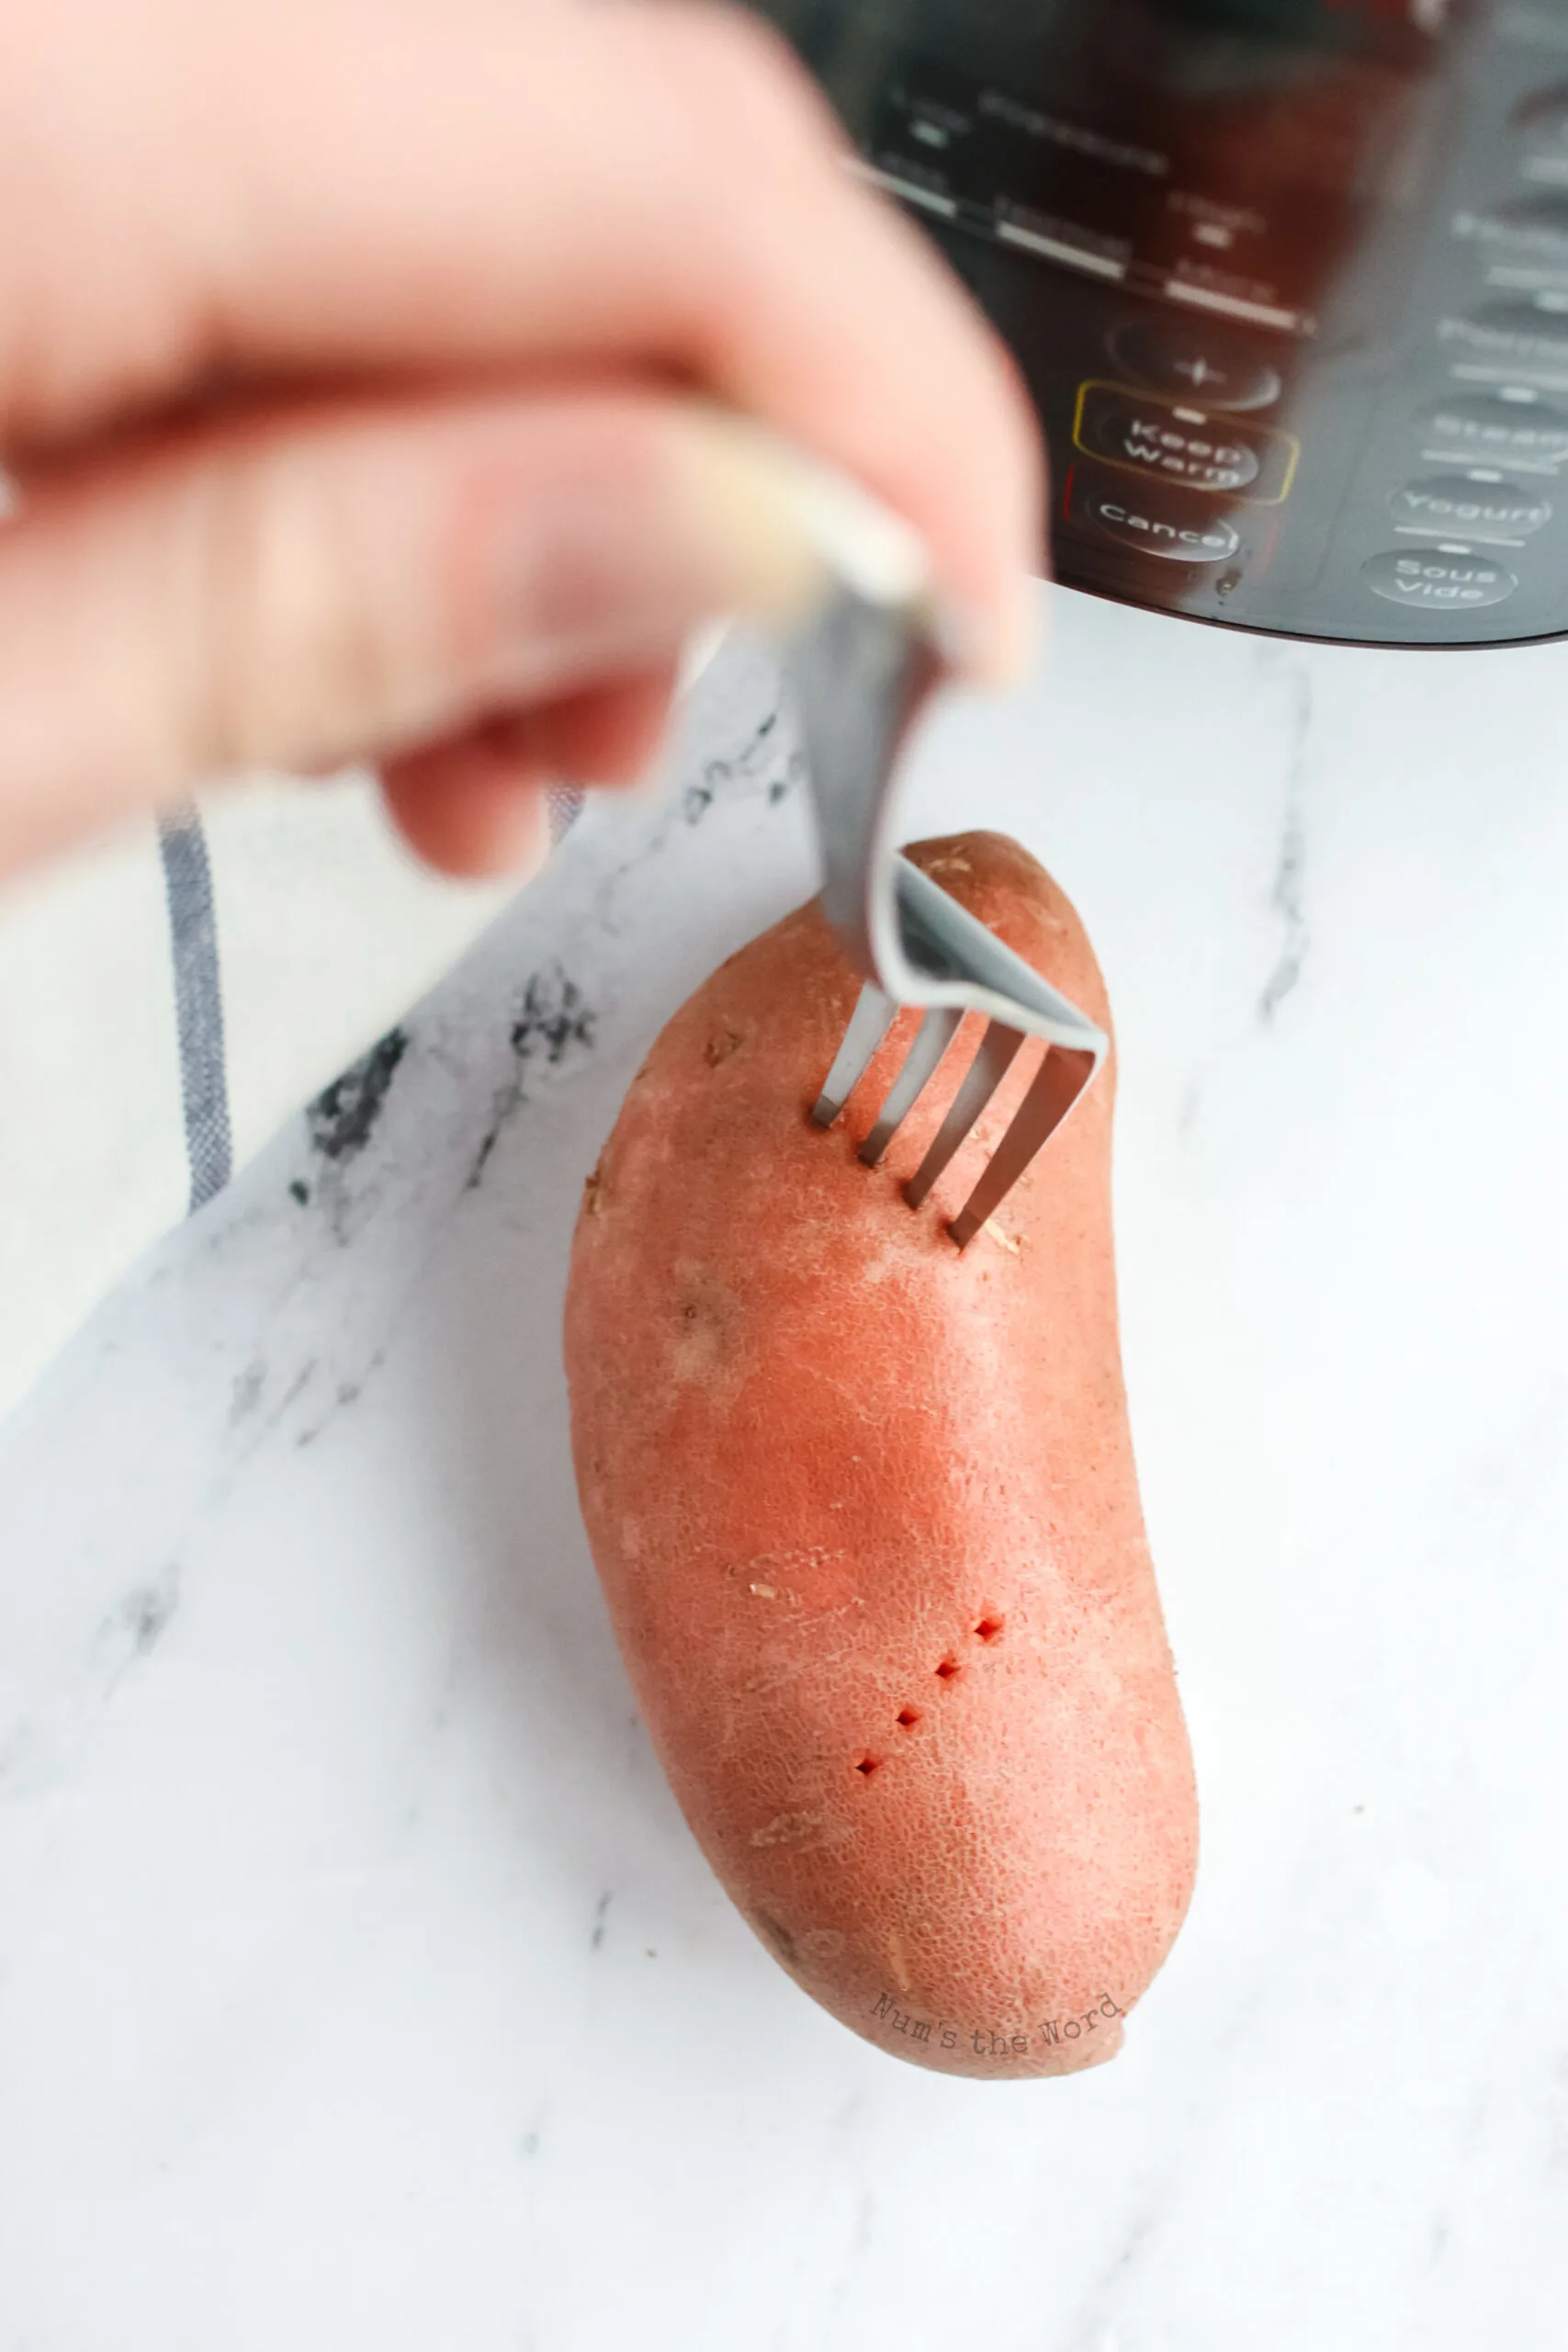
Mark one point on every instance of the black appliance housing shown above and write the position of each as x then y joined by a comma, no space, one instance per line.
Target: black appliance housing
1288,280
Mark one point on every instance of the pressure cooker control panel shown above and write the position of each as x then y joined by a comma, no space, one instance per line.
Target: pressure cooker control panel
1288,280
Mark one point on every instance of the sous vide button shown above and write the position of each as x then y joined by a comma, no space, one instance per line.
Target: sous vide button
1430,581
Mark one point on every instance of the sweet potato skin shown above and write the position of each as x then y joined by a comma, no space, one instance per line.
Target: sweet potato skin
866,1516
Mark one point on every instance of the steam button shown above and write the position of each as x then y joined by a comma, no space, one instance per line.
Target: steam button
1427,579
1532,227
1482,424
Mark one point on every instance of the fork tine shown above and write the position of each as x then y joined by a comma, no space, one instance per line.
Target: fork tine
985,1074
930,1041
1058,1082
869,1023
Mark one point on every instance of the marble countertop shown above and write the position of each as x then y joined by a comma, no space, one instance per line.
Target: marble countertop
361,1989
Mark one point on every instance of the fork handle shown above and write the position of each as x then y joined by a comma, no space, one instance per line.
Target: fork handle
859,676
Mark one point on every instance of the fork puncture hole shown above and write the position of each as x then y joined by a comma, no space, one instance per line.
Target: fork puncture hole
868,1765
988,1628
949,1670
721,1046
906,1718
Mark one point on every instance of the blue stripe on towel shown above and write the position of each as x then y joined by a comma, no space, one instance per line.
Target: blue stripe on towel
198,1003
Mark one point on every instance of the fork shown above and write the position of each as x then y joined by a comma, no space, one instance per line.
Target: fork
859,677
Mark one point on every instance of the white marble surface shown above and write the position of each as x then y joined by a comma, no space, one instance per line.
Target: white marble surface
360,1987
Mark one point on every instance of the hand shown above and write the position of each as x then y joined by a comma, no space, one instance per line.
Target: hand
383,379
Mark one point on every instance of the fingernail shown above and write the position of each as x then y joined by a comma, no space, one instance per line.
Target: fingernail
1015,645
993,648
792,526
509,835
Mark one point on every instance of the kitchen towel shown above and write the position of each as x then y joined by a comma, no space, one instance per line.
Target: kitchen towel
168,998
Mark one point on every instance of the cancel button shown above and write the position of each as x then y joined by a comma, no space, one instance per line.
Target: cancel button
1155,529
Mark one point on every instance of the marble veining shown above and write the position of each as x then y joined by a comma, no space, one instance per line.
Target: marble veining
360,1987
1289,894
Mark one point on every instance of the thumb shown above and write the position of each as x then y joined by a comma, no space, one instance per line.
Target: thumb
314,587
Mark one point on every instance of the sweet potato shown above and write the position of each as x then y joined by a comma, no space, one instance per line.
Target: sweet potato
866,1516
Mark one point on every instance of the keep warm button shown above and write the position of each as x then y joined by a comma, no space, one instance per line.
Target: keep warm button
1433,580
1184,447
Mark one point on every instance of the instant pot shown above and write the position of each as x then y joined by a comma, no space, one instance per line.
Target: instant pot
1288,280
